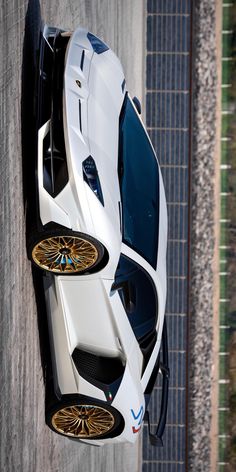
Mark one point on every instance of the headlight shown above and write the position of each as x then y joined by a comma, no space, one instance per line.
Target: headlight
91,177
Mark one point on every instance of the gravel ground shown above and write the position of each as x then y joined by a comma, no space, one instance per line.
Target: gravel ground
202,235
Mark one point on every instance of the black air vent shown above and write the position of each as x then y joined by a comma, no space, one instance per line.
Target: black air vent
55,172
123,86
82,60
106,370
80,118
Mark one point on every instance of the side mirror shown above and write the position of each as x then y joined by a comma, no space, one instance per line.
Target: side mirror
137,105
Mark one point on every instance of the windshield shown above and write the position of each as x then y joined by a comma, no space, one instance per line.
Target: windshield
139,184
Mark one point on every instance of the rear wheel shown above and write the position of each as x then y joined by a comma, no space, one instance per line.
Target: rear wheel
66,252
83,418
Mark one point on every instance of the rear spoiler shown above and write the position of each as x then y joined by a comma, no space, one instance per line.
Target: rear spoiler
156,438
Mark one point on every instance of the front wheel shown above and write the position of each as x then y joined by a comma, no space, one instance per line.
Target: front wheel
66,252
84,418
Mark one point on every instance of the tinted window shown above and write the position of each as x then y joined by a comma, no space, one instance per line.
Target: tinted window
139,184
138,295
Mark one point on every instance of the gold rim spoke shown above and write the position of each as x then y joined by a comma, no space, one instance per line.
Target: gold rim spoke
65,254
83,421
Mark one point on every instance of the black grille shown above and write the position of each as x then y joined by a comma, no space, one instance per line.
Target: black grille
54,153
106,370
59,48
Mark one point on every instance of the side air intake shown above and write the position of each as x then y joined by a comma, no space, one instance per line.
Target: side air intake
105,370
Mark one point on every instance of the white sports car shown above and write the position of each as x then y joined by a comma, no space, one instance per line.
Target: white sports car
100,239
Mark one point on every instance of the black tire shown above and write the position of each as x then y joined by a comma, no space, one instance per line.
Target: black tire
65,252
80,417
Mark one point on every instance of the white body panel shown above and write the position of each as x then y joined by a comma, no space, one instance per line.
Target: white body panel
82,311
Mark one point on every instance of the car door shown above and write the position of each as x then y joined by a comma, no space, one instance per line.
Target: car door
143,301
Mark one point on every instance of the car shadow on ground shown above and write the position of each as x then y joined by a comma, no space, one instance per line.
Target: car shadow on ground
33,27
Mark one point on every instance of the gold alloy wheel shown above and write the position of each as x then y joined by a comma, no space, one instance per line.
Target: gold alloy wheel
83,421
65,254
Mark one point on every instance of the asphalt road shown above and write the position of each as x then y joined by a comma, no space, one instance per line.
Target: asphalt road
26,442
